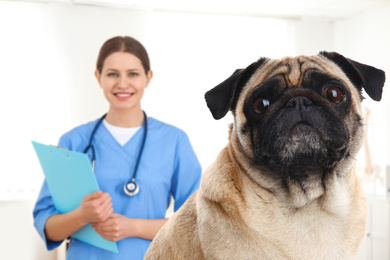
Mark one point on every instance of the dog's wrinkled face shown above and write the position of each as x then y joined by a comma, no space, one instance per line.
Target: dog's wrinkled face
297,117
303,128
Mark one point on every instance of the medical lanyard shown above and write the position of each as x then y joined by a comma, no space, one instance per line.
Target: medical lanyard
131,188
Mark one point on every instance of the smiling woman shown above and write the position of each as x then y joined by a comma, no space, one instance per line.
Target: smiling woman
123,76
138,171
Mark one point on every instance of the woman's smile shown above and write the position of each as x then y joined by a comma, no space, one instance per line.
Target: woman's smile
123,96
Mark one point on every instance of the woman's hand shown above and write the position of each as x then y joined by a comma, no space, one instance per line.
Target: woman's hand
118,227
115,228
95,207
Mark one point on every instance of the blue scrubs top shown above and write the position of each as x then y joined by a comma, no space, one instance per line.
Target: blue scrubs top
168,167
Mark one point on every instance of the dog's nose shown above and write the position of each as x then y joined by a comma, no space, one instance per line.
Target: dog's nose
299,103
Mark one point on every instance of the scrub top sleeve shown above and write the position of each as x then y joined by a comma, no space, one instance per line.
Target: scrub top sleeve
44,208
64,143
187,172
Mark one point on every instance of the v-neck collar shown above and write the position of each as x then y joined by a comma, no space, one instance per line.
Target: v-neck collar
128,151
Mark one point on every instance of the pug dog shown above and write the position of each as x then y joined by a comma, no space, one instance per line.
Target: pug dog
285,186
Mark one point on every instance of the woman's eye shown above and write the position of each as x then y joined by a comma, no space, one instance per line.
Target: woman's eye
334,95
260,105
133,74
112,74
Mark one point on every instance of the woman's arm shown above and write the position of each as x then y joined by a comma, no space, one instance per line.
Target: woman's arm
118,227
94,207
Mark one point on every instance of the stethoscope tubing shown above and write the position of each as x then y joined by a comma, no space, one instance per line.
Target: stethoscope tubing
90,145
142,147
93,155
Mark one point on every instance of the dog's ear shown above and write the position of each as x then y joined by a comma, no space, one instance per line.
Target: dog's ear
223,97
361,75
220,98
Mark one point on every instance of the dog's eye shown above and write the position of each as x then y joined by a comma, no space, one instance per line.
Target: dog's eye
260,105
334,95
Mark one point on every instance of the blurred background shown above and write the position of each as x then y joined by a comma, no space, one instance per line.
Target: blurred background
48,51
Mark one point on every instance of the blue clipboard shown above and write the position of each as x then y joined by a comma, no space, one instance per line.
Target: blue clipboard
70,177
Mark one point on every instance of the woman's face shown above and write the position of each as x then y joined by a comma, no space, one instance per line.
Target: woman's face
123,80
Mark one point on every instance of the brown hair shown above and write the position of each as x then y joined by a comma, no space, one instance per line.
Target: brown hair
123,44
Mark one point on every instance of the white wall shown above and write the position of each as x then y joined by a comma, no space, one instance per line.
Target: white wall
313,36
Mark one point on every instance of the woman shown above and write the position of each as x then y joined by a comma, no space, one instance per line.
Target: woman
131,206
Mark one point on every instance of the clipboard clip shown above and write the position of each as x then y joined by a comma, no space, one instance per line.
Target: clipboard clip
56,146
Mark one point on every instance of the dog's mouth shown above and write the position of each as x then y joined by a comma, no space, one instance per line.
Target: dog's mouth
311,139
302,144
302,148
302,128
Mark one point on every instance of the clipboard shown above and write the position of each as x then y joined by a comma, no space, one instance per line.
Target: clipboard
70,177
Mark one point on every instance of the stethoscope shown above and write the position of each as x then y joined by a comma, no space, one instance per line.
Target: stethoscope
131,188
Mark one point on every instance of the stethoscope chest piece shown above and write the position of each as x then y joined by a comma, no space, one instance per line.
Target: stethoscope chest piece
131,188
